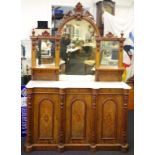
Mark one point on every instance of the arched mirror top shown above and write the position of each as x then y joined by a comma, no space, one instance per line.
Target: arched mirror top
78,32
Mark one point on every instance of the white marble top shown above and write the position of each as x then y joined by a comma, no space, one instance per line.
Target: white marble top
76,81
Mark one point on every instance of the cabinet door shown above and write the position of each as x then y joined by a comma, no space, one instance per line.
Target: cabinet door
78,112
109,118
46,118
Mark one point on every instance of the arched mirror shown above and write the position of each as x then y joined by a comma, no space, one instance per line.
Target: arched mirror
78,42
77,47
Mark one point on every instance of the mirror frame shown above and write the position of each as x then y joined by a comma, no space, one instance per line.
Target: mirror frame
44,36
44,73
79,13
110,73
111,37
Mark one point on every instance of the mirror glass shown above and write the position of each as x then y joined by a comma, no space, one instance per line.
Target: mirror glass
77,47
109,53
45,53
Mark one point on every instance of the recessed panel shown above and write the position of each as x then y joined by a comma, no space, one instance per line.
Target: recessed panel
109,120
46,120
78,122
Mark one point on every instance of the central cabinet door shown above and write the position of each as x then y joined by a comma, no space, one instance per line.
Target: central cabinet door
78,116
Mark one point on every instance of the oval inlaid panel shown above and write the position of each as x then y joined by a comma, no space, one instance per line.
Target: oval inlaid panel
109,119
46,119
78,120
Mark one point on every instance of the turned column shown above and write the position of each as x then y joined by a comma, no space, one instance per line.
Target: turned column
125,121
61,131
29,120
94,98
120,65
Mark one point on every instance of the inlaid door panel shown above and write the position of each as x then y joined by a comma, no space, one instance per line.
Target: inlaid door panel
109,118
46,118
78,118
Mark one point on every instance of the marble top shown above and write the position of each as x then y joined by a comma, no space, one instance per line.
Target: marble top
76,81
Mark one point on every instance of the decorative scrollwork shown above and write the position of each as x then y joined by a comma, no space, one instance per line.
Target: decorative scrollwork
45,33
110,35
69,14
79,13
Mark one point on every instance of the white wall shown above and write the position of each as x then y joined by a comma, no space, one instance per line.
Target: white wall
124,8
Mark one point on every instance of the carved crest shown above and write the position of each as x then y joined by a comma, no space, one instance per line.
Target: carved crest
110,35
79,12
78,7
45,33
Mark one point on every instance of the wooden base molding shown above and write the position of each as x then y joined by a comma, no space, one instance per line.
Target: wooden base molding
66,147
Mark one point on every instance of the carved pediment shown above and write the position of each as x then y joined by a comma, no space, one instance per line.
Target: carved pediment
79,12
45,33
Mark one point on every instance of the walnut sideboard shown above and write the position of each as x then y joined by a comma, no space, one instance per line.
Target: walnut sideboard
69,115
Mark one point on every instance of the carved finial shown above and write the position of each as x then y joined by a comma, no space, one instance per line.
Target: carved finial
79,7
122,34
33,32
78,11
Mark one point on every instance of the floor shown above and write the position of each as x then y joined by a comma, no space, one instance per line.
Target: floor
130,141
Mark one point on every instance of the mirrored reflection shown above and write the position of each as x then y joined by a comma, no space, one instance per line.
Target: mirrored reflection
77,47
45,52
109,53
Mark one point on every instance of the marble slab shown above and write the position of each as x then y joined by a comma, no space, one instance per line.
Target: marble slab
77,81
